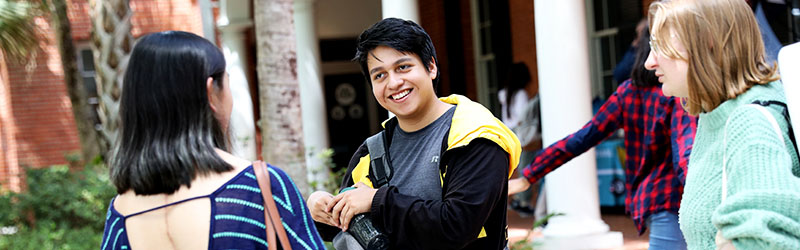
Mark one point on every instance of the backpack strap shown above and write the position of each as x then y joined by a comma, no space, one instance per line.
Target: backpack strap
785,114
380,168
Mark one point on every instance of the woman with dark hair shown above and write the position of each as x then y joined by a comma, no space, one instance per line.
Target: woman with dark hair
521,114
178,186
658,141
513,97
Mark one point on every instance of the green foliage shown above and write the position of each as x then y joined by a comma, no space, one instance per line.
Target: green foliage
17,29
61,209
50,236
6,206
331,184
526,244
522,245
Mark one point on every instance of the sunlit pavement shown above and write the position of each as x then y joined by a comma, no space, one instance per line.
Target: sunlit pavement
519,227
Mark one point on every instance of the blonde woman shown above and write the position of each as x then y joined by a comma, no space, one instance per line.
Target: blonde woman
711,54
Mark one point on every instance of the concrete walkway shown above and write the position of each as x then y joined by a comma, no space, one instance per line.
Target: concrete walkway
518,228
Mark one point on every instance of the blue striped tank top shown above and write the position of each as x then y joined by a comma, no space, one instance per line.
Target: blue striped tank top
237,215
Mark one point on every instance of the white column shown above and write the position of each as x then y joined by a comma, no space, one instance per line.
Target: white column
564,87
404,9
234,18
312,99
207,15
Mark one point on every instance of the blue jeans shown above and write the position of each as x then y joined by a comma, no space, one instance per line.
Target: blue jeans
665,232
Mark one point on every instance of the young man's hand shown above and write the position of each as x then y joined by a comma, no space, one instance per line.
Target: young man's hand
518,185
348,204
318,206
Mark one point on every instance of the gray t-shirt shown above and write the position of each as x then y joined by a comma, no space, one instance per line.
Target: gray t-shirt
415,158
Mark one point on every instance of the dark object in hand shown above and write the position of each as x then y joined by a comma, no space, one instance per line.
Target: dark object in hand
369,237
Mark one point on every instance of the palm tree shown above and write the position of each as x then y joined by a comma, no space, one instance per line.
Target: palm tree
278,89
17,31
18,41
112,42
81,111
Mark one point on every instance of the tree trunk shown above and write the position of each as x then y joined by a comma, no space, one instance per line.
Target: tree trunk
111,45
81,111
278,89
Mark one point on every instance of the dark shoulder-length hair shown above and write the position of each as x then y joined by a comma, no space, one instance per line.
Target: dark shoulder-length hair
640,76
168,131
517,79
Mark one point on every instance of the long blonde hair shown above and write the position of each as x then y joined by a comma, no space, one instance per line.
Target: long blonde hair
725,52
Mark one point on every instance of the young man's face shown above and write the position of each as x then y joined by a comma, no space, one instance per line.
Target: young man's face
400,82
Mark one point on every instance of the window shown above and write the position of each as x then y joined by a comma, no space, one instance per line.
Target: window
491,54
87,73
611,30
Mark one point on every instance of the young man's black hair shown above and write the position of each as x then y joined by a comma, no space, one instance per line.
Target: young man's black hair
402,35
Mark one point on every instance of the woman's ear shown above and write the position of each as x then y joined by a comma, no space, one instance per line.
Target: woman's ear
212,94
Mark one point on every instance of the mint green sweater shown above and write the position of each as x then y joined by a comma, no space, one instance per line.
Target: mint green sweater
762,209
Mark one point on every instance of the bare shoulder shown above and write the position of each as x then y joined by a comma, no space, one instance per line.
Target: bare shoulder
129,202
237,163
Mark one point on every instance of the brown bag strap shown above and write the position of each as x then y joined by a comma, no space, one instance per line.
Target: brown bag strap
271,217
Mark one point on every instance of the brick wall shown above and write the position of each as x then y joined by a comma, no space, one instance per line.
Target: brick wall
149,16
469,51
432,19
39,129
8,150
36,124
523,38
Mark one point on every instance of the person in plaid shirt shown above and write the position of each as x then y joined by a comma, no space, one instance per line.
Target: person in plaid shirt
658,140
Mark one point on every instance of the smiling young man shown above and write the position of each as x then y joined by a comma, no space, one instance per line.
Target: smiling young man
450,157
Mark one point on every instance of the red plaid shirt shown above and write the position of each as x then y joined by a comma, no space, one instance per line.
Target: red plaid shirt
658,140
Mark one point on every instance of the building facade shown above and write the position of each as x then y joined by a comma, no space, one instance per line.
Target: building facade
36,124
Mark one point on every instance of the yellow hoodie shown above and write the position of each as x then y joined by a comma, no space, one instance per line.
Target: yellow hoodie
470,121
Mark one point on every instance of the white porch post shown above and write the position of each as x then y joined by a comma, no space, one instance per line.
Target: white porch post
207,15
312,100
404,9
564,85
234,17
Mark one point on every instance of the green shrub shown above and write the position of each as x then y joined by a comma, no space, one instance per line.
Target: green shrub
331,184
526,244
61,209
47,235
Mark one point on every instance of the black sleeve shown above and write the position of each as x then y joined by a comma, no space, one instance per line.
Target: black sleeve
475,179
327,231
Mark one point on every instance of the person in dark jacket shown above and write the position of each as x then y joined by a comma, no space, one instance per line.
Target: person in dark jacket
450,157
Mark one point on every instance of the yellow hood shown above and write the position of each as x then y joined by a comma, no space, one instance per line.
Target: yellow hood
471,120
